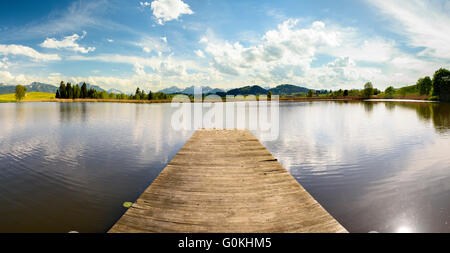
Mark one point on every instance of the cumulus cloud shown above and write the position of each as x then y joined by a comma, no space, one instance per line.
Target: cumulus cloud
69,42
286,54
13,49
282,52
4,63
167,10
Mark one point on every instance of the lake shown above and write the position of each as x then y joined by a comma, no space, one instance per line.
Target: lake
375,166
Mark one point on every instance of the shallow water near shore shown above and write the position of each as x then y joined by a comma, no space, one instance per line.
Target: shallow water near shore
375,166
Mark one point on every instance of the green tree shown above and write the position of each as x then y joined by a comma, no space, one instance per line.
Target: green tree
84,92
69,90
354,92
103,95
269,95
92,93
150,95
57,94
389,92
310,93
76,91
345,93
402,92
20,92
441,84
62,90
424,85
137,95
368,90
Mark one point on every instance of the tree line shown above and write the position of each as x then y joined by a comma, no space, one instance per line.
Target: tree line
437,88
69,91
367,92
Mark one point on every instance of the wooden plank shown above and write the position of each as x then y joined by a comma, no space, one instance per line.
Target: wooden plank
225,181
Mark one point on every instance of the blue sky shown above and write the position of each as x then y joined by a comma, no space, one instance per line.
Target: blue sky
156,44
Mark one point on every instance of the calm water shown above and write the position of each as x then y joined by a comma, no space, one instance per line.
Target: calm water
375,166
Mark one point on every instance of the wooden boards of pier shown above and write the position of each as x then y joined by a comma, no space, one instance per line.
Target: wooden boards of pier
225,181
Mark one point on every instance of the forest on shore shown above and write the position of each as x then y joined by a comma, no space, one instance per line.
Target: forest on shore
435,88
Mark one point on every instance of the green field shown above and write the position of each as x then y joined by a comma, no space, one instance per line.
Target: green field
407,90
29,96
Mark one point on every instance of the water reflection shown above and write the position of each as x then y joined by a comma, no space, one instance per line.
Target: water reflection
68,112
390,106
70,166
437,113
374,167
368,106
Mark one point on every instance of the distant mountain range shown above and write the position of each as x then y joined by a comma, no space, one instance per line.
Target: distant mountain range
248,90
89,86
44,87
288,89
116,91
33,87
190,90
283,89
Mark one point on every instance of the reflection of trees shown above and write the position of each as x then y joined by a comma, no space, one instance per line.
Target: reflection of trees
390,106
72,111
368,107
20,113
438,113
441,117
424,111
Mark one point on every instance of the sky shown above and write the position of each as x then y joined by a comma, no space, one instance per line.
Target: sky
321,44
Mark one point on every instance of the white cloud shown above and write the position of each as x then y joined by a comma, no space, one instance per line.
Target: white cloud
425,23
145,4
151,44
165,66
343,72
68,42
139,69
280,54
286,54
27,51
199,53
78,15
7,77
110,40
371,50
4,63
167,10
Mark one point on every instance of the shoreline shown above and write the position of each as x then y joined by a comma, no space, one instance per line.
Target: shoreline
286,99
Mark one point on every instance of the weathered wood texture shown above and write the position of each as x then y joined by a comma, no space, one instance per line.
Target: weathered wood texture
225,181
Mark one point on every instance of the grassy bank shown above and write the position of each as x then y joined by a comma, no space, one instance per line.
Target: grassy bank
50,97
31,96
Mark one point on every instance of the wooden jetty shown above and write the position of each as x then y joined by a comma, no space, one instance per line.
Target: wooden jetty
225,181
